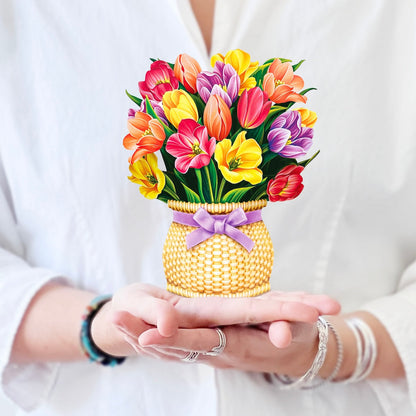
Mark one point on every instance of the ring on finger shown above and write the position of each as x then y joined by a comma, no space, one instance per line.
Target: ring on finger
191,357
220,347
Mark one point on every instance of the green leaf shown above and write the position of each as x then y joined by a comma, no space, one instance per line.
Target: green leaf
269,61
170,187
164,197
259,191
295,67
136,100
191,196
200,105
235,195
260,72
303,92
273,163
306,162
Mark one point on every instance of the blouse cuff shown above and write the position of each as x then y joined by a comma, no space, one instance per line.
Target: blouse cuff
27,385
398,315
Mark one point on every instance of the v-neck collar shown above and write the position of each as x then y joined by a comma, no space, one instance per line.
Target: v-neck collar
187,16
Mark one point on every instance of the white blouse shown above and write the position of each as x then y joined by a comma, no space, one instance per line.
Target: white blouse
68,211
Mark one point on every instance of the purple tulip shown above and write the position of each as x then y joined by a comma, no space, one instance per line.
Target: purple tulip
223,81
287,138
157,107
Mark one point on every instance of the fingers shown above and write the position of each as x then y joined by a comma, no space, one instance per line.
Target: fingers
280,334
199,339
323,303
149,304
214,311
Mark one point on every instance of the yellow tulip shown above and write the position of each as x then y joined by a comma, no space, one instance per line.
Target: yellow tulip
239,161
179,105
308,117
146,173
240,61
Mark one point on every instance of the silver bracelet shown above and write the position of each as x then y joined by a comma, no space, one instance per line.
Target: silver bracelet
309,376
340,354
366,350
340,357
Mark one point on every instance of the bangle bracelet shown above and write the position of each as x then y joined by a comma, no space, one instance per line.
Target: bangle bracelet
304,382
340,353
92,352
366,350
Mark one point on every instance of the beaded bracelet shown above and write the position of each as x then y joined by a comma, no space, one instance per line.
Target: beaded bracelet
92,352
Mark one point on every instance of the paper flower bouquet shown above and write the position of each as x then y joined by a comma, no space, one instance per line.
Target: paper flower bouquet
230,141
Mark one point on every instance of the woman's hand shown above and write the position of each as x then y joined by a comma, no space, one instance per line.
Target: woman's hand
161,317
248,348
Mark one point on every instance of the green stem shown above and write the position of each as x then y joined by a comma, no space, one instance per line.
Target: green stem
219,195
209,184
200,185
261,195
170,192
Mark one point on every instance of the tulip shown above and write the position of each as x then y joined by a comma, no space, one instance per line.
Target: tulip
239,161
217,117
179,105
146,173
281,84
157,108
223,81
190,145
186,70
253,108
146,135
308,117
240,61
287,137
158,80
286,185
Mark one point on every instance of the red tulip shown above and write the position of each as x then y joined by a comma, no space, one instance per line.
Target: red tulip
286,185
253,108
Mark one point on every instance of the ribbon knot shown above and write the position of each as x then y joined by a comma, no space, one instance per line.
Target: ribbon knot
208,225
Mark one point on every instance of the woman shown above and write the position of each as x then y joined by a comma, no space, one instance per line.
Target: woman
72,228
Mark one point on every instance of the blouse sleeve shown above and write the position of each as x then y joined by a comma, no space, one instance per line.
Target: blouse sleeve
397,313
25,384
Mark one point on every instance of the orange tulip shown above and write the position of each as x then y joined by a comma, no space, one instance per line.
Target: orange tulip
146,135
217,117
281,84
186,70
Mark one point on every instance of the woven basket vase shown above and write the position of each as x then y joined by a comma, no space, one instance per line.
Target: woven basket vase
218,266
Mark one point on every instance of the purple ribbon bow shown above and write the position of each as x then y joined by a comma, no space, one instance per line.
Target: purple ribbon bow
208,225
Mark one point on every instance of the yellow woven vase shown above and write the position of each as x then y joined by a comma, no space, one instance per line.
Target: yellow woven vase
219,266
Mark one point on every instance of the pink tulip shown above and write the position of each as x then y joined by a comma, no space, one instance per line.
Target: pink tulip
191,146
253,108
159,79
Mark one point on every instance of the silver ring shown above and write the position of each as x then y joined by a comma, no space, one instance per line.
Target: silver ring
220,347
191,357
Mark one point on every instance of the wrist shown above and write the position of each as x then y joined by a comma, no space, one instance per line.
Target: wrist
106,336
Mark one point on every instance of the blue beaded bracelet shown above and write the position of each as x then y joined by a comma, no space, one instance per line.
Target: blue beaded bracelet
92,352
